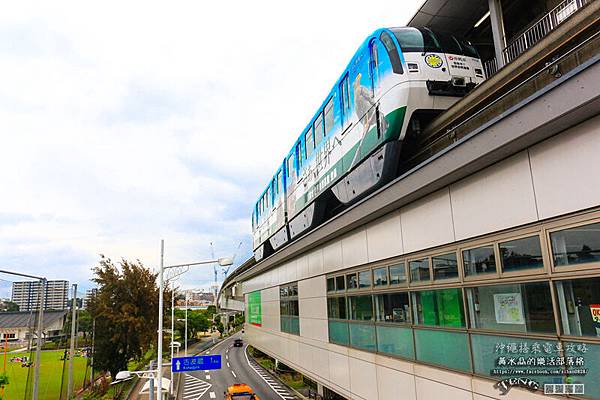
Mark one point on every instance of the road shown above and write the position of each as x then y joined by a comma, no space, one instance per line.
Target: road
236,368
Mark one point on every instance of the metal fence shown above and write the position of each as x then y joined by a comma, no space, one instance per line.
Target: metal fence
536,32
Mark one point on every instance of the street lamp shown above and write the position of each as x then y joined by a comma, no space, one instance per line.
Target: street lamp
223,262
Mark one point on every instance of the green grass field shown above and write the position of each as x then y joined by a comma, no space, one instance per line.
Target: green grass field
51,373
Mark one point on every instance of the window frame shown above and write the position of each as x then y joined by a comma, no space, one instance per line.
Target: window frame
480,277
409,272
527,272
556,227
459,276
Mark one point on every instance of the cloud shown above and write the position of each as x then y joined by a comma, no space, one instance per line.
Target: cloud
127,122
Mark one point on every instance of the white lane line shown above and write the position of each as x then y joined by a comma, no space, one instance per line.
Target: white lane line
233,373
281,393
206,371
228,366
226,357
212,395
207,376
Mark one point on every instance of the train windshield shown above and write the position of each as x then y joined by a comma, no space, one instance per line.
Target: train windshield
416,40
424,40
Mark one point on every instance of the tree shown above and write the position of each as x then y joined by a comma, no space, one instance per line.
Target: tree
9,306
125,309
197,322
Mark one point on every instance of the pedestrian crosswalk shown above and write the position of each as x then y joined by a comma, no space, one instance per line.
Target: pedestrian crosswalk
194,388
272,382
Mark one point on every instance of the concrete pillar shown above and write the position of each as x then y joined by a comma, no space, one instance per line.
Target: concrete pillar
320,390
497,30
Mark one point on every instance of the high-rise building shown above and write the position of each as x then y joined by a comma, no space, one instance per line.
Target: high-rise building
89,294
27,295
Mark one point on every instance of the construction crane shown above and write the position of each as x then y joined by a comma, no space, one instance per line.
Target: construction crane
226,270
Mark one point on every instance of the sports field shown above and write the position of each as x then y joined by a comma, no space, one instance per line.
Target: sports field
51,373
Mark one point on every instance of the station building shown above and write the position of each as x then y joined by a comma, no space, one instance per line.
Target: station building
481,261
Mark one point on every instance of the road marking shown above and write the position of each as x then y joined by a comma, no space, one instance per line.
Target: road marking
212,395
206,371
226,357
194,388
233,373
281,392
207,376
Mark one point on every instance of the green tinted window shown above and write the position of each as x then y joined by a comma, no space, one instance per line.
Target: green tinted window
338,332
448,349
439,307
395,340
363,336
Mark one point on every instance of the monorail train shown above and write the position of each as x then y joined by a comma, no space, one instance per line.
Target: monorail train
352,144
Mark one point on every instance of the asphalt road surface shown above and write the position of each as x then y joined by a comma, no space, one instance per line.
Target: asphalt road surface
237,367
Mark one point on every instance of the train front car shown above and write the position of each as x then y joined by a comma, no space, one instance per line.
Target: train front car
398,80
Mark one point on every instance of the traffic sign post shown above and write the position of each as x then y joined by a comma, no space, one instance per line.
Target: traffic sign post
184,364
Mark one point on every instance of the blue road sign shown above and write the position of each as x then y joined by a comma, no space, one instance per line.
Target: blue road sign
182,364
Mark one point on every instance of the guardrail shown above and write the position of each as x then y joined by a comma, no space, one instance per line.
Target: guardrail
535,33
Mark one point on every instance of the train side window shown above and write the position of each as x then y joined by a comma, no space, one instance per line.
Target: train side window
309,142
329,117
345,98
279,177
290,166
392,52
318,128
299,154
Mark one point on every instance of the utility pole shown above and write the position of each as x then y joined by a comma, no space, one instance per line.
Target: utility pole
160,320
92,354
73,334
186,311
38,349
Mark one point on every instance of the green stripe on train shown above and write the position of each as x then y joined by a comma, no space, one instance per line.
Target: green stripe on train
370,142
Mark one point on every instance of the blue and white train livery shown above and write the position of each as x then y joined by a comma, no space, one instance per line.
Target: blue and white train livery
351,146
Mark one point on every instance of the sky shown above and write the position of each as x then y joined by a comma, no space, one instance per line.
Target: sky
124,123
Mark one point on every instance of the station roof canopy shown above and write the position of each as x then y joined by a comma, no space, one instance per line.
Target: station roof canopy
453,16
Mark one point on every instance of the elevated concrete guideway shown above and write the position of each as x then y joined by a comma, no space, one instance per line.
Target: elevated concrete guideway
537,117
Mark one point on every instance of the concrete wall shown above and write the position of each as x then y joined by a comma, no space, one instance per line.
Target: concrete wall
552,178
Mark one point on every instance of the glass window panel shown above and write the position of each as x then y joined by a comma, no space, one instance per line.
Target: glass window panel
578,245
293,307
283,308
338,332
364,279
294,290
330,284
318,129
362,336
340,283
329,117
294,326
361,308
285,323
445,266
309,142
488,349
380,277
579,304
336,307
521,254
524,308
392,307
591,357
351,282
397,274
291,169
395,340
419,270
448,349
479,261
439,307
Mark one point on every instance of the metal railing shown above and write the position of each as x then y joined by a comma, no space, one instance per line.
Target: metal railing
535,33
